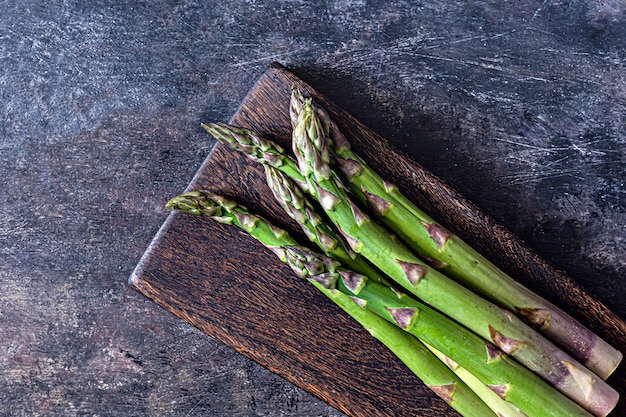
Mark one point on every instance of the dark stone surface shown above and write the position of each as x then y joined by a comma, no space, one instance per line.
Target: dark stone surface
518,105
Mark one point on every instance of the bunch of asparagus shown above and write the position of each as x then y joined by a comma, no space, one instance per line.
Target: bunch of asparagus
477,338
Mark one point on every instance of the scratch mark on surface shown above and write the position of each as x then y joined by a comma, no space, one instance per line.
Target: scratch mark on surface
539,10
587,152
525,145
536,175
471,38
268,57
533,78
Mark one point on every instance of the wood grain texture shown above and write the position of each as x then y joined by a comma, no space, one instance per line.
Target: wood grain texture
230,287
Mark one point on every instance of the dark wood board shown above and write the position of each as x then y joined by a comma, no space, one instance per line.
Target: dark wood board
229,286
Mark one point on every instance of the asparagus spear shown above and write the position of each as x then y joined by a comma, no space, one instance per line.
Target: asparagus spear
497,404
501,327
257,149
368,238
455,258
299,208
422,362
504,376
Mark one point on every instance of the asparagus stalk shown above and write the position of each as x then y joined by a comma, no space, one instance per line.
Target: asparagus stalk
501,327
497,404
453,390
257,149
504,376
299,208
371,240
458,260
420,360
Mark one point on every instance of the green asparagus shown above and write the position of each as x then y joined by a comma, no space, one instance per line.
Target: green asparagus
487,320
455,258
420,360
299,208
364,236
498,405
504,376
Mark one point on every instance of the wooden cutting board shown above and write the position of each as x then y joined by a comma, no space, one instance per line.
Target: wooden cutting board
232,288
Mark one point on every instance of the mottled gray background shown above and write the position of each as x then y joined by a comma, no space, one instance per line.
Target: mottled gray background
519,105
